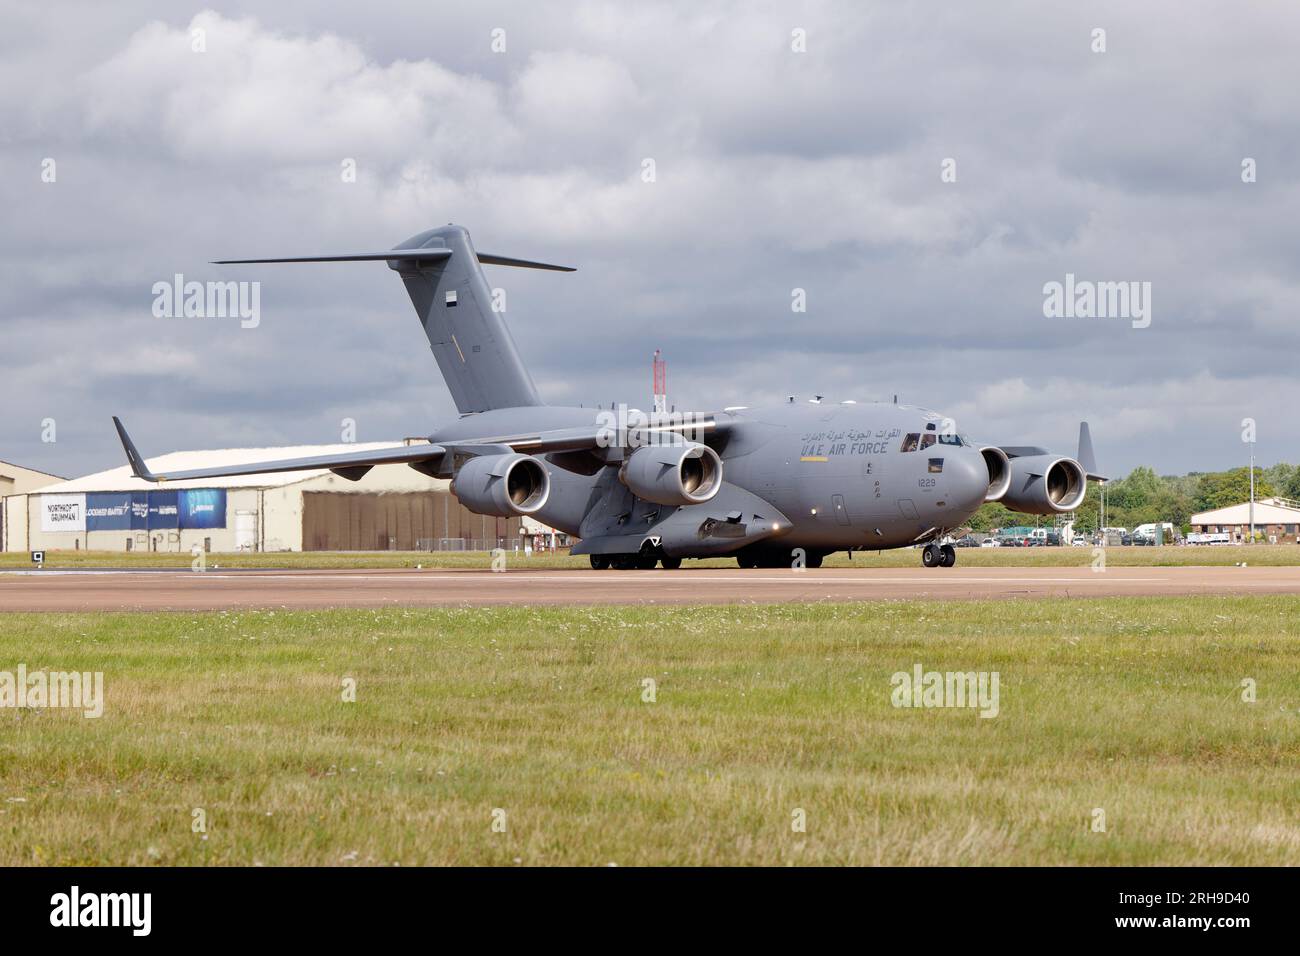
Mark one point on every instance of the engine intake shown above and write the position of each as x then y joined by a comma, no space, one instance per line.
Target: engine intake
502,486
681,473
999,466
1045,484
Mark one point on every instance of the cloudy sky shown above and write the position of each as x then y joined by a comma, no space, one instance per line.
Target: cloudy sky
775,168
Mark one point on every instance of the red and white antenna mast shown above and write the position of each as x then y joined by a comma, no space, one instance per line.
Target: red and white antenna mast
660,383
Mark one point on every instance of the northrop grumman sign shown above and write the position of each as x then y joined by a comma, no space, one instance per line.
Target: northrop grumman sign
63,512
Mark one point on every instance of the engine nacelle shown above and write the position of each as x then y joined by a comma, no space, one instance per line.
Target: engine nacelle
1045,484
999,466
502,486
681,473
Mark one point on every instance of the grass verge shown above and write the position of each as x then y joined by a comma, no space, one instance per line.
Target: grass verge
1129,706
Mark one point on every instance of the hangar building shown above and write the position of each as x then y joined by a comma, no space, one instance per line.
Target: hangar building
393,508
1277,519
16,480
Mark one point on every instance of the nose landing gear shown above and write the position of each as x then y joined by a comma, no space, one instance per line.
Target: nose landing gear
938,556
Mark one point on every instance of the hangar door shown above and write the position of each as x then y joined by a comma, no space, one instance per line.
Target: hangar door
408,521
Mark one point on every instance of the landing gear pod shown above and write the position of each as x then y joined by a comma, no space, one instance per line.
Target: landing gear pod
502,486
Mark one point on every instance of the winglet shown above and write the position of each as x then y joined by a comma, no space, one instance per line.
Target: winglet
133,456
1086,457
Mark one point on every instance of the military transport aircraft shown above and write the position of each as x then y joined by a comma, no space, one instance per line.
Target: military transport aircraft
777,486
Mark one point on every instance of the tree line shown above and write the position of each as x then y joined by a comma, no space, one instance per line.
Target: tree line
1143,497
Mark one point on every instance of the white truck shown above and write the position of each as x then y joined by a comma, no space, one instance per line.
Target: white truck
1209,537
1149,531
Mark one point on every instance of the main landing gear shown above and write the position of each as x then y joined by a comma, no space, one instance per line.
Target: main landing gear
938,556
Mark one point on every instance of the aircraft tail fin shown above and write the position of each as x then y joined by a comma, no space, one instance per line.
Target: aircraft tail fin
1086,457
469,337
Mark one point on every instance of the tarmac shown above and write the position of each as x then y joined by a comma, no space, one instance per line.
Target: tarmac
109,590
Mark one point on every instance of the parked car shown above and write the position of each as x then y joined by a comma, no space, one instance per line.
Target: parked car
966,541
1079,541
990,543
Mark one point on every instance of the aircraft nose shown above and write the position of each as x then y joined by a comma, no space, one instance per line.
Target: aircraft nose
967,478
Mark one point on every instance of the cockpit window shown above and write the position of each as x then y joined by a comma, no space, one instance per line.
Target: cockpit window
950,439
911,442
927,440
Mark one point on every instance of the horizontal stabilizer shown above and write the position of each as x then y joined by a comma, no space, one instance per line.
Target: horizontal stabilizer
490,260
417,255
403,255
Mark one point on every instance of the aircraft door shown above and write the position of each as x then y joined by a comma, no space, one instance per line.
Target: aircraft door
841,512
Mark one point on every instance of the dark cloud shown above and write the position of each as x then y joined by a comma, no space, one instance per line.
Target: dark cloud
775,171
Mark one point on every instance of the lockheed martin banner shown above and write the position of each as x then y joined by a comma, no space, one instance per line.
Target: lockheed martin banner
117,511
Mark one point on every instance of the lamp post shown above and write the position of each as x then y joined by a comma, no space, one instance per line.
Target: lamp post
1252,489
1102,510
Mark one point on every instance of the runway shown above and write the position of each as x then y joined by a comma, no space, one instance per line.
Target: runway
57,590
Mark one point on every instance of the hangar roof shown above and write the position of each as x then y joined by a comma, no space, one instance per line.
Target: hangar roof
121,479
20,480
1267,511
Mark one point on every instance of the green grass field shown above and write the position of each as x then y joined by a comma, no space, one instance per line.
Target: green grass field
1130,706
1279,554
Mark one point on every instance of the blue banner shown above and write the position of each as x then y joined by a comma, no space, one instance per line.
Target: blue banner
203,508
139,510
162,510
155,510
109,511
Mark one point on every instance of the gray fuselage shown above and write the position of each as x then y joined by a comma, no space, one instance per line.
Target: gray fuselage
837,474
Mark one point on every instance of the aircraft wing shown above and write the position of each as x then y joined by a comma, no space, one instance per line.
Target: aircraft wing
351,465
430,458
1085,456
1023,451
589,437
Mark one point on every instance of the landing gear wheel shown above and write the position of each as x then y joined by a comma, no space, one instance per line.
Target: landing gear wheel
746,561
599,562
646,562
931,556
947,556
671,564
814,559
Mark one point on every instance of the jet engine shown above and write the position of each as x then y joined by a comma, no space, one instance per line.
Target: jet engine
1045,484
999,466
502,485
681,473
